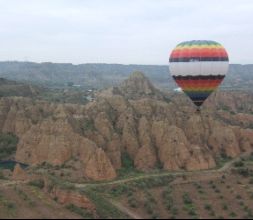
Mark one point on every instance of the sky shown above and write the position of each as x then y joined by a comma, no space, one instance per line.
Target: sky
121,31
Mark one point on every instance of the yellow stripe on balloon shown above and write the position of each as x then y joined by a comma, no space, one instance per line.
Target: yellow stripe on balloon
198,47
199,90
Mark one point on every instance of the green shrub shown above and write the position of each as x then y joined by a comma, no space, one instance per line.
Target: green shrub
149,207
39,183
233,215
217,191
80,211
239,164
212,213
133,202
251,181
225,207
10,206
8,145
1,175
192,212
198,186
208,207
238,197
187,199
201,192
245,172
88,125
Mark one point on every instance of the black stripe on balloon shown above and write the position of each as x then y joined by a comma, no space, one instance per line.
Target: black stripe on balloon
198,103
200,77
194,59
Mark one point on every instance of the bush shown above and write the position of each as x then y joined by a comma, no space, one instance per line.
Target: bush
149,207
217,191
251,181
239,164
1,175
8,145
238,197
127,161
233,215
245,172
120,190
225,207
10,205
127,165
133,202
80,211
208,207
39,183
88,125
187,199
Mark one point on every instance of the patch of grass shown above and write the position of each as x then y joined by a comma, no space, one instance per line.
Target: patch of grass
168,199
10,206
86,214
104,208
25,197
150,204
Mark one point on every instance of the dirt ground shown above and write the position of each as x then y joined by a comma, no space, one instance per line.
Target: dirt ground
229,196
28,202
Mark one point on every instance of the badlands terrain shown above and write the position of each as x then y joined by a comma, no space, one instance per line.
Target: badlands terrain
133,151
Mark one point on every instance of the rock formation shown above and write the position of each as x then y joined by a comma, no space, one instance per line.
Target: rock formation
153,128
19,173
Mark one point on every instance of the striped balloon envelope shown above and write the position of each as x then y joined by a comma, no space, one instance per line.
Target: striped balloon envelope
199,67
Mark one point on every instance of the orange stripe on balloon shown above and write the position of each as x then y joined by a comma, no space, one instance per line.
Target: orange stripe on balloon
205,52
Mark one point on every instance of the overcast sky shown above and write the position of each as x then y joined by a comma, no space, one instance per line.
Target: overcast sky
121,31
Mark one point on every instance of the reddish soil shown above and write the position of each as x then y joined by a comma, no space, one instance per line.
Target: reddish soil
28,203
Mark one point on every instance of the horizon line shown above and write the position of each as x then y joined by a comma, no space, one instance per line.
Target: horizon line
91,63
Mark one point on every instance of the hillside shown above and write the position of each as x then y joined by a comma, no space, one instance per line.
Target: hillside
13,88
106,75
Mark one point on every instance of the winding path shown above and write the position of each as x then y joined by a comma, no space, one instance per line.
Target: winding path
204,173
220,171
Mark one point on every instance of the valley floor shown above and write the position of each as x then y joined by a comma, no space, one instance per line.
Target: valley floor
223,193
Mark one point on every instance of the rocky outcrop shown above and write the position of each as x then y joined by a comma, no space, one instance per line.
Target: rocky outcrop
99,167
138,86
66,197
19,173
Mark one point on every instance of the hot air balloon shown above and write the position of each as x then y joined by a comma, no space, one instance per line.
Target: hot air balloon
199,67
